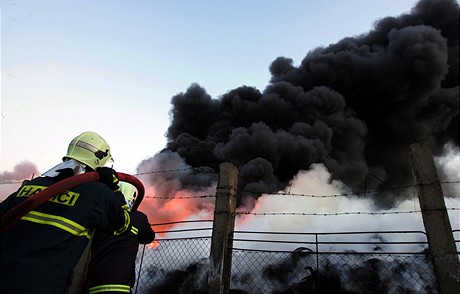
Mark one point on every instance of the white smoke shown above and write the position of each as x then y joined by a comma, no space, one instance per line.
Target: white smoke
337,212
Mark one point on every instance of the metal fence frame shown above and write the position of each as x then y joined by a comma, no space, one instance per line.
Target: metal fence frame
292,262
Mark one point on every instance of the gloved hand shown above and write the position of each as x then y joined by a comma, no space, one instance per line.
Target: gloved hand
109,177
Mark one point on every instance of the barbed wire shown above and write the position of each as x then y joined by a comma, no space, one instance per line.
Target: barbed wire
164,171
289,194
302,194
7,182
350,193
294,195
308,214
182,222
271,194
333,213
181,197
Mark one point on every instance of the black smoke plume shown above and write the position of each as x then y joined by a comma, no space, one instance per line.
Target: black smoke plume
354,106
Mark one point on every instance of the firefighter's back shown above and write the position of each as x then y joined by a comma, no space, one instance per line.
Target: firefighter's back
39,252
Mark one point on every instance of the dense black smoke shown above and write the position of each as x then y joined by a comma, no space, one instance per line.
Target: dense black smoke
354,106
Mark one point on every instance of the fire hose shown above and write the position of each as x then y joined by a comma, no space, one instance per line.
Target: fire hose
43,196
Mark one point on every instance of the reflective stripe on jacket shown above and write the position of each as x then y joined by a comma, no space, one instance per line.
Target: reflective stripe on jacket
110,288
57,221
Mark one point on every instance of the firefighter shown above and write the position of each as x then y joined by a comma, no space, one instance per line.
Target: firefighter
112,265
40,251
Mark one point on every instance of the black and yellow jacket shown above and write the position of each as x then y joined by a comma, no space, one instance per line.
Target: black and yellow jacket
40,251
112,265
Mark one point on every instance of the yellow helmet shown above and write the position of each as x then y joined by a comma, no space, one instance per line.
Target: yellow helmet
129,191
90,149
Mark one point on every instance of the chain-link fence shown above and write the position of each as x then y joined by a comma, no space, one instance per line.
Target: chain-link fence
316,263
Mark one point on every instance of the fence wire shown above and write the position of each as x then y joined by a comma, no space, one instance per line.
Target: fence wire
314,263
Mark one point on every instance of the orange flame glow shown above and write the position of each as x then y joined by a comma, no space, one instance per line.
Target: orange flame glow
154,244
177,208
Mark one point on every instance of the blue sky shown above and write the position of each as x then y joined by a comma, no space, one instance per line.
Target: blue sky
113,66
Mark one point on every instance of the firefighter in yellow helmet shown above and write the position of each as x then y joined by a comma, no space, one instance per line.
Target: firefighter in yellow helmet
90,149
40,251
112,265
129,192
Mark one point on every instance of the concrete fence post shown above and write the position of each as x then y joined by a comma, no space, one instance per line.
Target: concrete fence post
222,230
435,218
